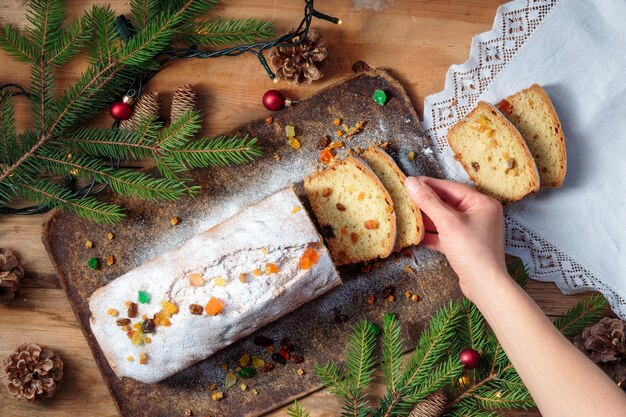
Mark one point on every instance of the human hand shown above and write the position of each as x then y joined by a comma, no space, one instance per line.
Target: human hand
463,224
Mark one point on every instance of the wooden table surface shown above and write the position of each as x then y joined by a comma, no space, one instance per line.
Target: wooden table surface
417,40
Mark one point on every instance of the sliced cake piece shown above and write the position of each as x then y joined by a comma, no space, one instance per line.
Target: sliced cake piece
494,154
533,114
408,216
354,211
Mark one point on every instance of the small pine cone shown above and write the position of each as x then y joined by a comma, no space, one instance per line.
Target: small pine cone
431,406
32,372
605,344
303,63
185,99
10,274
148,105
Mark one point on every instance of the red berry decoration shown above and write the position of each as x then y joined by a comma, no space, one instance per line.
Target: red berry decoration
469,358
121,109
274,100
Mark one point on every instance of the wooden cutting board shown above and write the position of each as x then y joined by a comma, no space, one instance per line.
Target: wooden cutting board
319,329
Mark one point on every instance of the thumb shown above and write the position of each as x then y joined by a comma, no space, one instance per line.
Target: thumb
427,200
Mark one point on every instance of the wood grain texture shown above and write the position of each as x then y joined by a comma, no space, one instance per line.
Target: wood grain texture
417,39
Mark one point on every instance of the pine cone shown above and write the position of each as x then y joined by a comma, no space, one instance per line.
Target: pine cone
185,99
148,105
32,372
431,406
10,274
605,344
303,63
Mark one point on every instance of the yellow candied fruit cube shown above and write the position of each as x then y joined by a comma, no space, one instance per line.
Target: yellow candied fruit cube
300,371
169,307
290,131
196,280
271,268
294,143
137,326
129,358
257,272
110,236
148,340
295,209
89,244
143,358
337,121
265,251
361,196
220,282
243,387
174,221
110,260
415,298
217,396
407,294
411,155
113,312
339,133
127,303
242,278
243,361
335,144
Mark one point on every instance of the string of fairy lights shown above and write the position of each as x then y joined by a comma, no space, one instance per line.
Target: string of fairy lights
125,31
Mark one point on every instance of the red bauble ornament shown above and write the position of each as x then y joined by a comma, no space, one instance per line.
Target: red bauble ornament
120,110
274,100
469,358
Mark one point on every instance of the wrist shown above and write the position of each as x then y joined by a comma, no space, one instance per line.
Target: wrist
479,286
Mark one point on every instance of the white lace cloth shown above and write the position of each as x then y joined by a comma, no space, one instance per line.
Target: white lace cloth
575,235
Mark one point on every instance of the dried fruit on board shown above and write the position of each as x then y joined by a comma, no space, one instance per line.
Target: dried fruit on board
10,274
303,63
32,372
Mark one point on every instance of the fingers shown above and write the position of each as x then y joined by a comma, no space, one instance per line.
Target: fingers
427,200
429,226
431,241
453,193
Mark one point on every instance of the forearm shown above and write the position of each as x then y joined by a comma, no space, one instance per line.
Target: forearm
562,381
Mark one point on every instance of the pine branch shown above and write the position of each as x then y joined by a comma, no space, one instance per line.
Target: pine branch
46,192
121,181
438,378
71,42
220,151
518,271
177,135
214,33
190,10
8,135
296,410
144,11
7,191
583,314
16,45
334,379
360,355
46,17
102,44
492,399
392,349
41,94
471,412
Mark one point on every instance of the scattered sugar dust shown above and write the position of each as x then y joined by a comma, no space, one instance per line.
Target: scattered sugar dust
376,5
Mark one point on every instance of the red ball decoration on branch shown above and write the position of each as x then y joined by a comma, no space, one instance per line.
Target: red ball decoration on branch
275,100
469,358
121,109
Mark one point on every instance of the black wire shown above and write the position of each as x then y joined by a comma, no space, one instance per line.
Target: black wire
125,30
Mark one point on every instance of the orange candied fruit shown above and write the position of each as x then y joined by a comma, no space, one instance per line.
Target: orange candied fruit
214,307
143,358
257,272
505,107
308,259
361,196
326,155
169,307
271,268
370,224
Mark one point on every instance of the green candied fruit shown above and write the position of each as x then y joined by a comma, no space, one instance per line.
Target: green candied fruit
380,97
143,297
93,263
247,372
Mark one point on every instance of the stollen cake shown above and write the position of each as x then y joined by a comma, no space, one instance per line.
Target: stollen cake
354,210
215,288
533,114
408,216
494,154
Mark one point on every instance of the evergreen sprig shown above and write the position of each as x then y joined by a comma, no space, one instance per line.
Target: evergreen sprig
433,365
58,145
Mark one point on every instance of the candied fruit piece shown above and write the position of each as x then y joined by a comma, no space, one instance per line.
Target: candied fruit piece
344,230
243,387
122,322
195,309
214,307
196,280
300,371
174,221
257,272
271,268
110,236
505,107
257,362
308,258
93,264
113,312
380,97
407,294
230,380
89,244
415,298
247,372
326,155
361,196
290,131
411,155
335,144
354,237
169,307
371,224
220,282
242,278
132,310
295,209
129,358
243,361
143,297
339,133
217,396
110,260
294,143
337,121
143,358
327,192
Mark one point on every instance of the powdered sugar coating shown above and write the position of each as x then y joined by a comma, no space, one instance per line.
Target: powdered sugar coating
269,232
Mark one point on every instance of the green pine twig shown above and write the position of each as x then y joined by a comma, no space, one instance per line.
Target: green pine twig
296,410
583,314
215,33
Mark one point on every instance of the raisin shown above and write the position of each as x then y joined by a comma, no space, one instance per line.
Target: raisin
196,309
371,299
148,326
476,166
354,238
297,358
328,232
323,142
267,367
286,344
340,207
263,341
278,358
388,291
284,354
132,310
122,322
